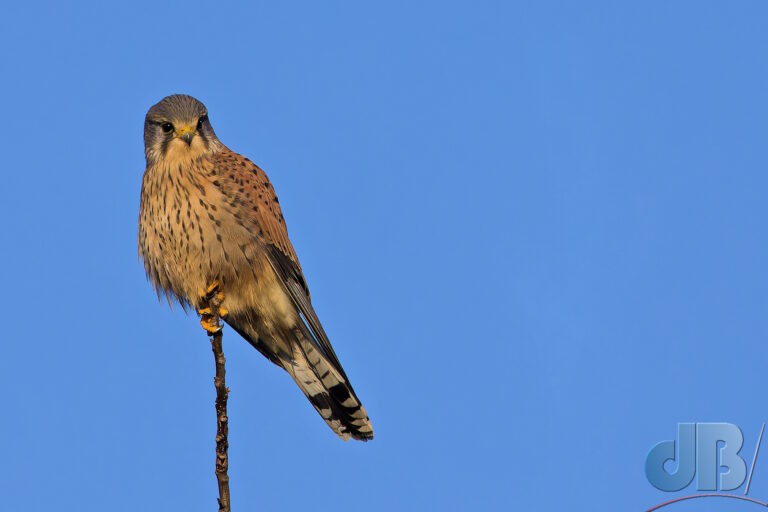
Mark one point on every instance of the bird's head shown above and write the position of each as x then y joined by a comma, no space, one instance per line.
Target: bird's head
177,127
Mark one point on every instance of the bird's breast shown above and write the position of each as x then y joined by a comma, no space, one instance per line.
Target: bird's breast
191,234
187,232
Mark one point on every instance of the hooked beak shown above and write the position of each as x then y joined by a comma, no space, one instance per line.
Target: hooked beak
186,134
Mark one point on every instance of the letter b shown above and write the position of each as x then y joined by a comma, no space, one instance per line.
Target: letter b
707,466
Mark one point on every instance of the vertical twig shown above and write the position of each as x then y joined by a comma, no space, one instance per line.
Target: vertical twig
211,313
222,423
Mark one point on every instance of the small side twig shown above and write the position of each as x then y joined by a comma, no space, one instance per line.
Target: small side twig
211,317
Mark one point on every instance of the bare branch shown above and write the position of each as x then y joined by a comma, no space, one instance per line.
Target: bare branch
211,312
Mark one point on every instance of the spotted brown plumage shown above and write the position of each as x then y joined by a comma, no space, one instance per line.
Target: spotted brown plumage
211,215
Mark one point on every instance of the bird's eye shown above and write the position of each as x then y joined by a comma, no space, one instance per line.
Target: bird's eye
167,127
201,121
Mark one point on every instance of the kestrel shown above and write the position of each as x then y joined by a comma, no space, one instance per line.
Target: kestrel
210,219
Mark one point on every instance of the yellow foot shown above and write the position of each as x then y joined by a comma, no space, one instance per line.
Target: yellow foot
208,293
214,286
209,326
211,308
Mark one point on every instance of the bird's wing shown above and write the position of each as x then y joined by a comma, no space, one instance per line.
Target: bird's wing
252,187
248,187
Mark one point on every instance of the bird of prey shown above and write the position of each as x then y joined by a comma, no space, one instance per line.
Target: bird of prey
210,219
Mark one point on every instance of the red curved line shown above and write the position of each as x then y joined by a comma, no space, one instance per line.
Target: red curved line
710,495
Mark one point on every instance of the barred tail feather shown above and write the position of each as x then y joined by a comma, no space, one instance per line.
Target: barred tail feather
328,391
326,387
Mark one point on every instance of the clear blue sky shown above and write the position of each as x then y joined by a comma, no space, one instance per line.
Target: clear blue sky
535,233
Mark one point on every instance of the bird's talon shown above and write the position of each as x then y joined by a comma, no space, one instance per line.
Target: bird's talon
214,286
210,327
210,309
